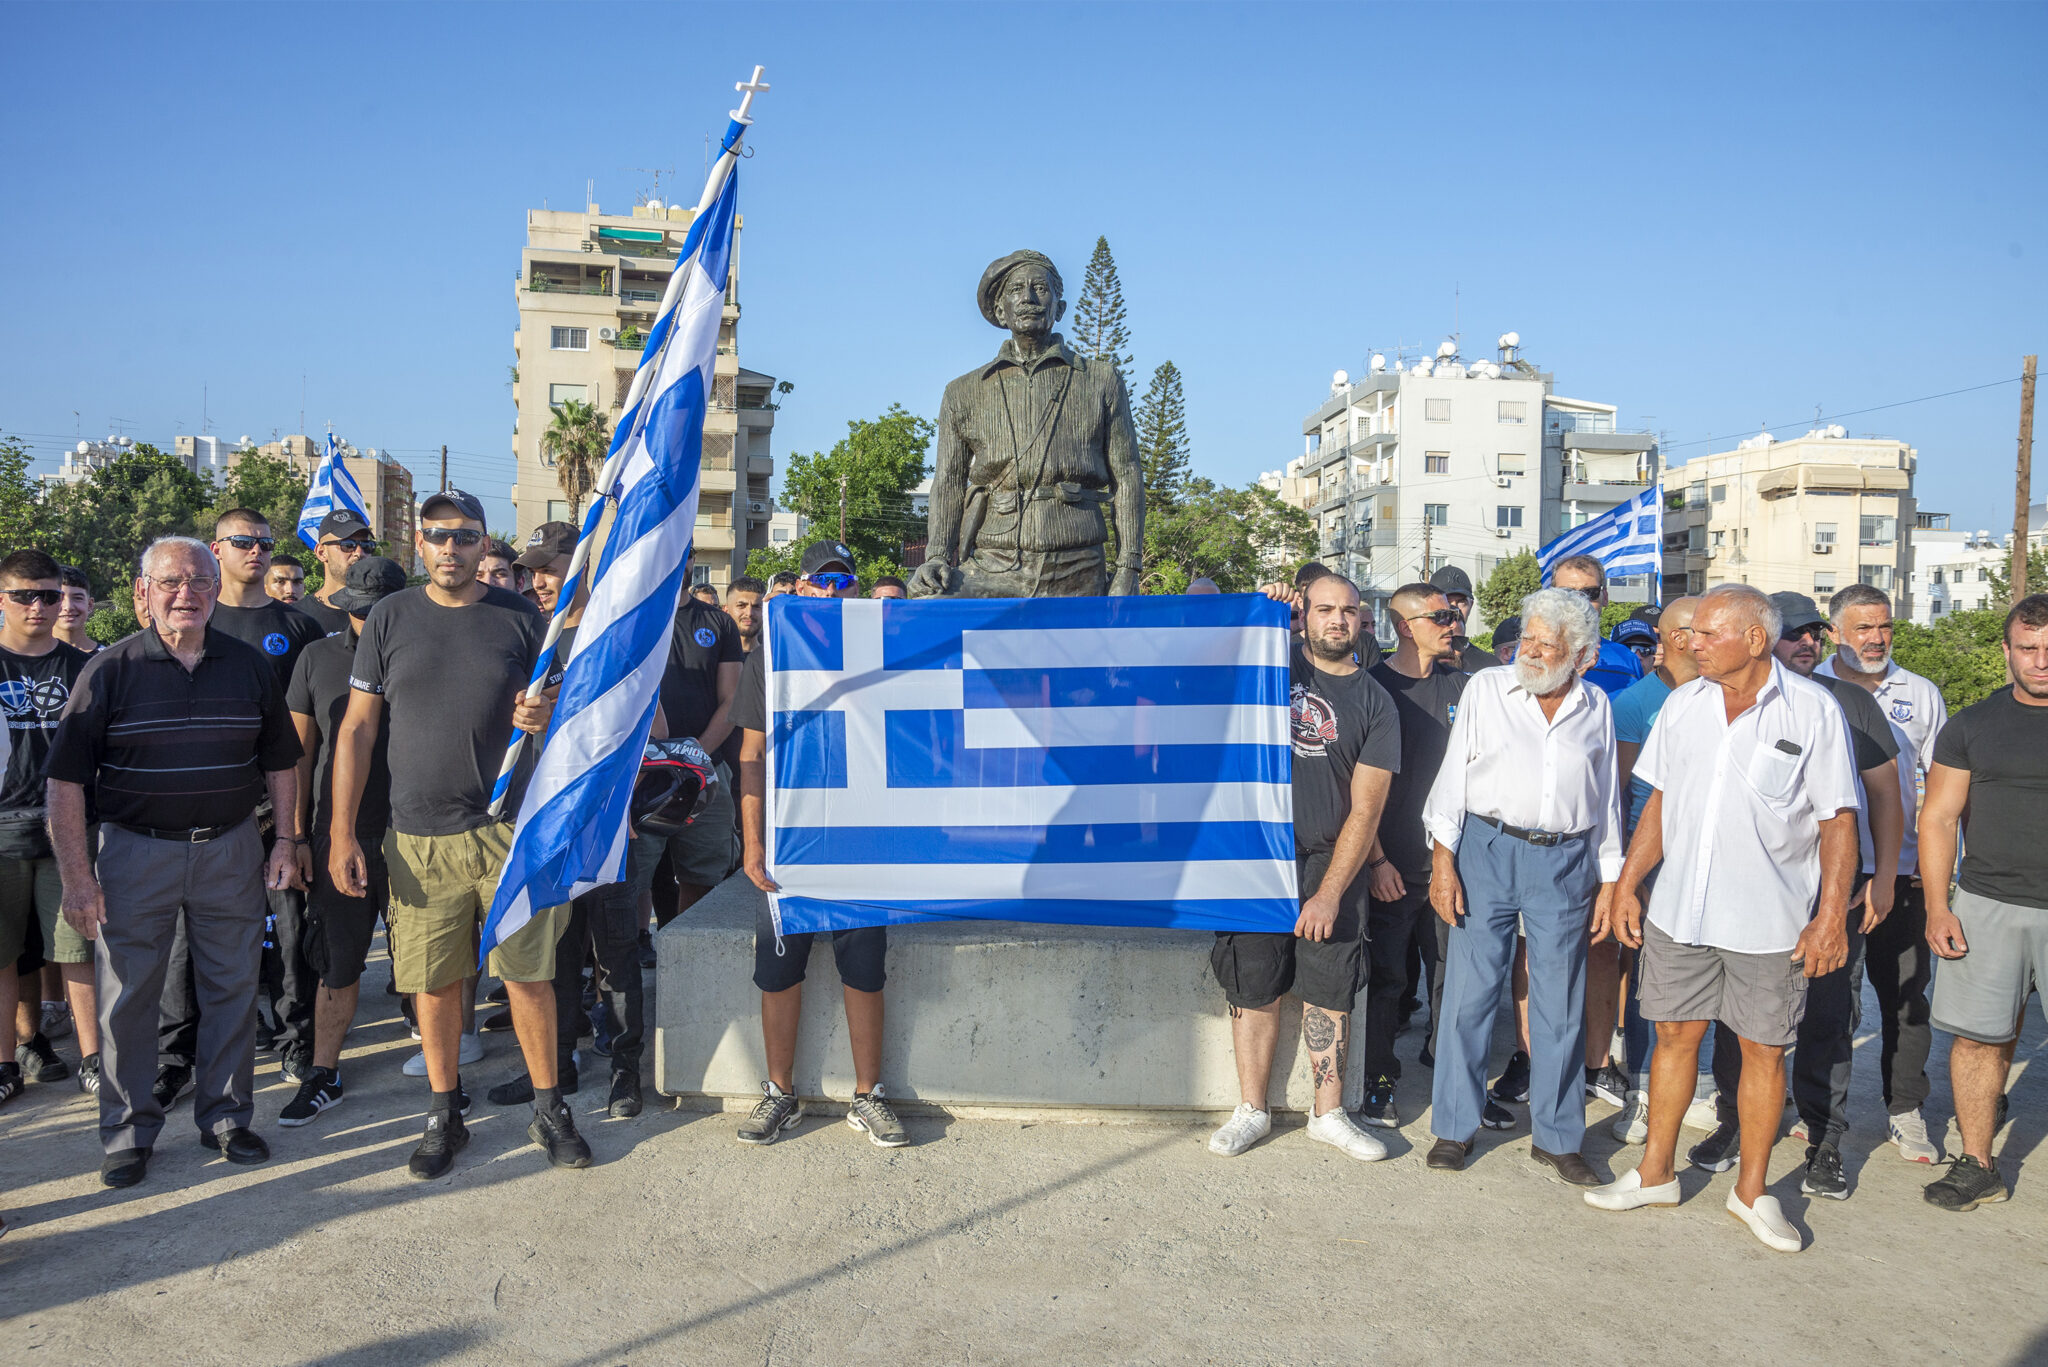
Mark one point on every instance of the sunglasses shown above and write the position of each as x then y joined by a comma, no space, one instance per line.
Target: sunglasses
441,536
1443,617
833,580
47,597
244,542
1592,595
1812,630
357,543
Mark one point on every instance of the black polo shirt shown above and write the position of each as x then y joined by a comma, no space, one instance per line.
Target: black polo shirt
169,749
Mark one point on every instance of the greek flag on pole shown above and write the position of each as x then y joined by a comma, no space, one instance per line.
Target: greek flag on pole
331,487
571,836
1095,761
1627,539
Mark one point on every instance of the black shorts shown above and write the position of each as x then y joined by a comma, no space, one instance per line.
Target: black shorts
858,954
1257,968
339,928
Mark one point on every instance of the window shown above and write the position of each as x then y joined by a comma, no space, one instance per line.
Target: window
1878,530
1513,411
1934,608
1513,463
558,510
1937,574
1695,538
569,339
700,574
1436,463
1823,585
1437,514
1983,574
1436,410
1720,494
1696,582
778,533
1718,536
559,394
1696,496
1824,534
1507,517
1878,577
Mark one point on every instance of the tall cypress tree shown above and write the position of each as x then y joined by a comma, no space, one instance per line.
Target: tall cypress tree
1162,424
1099,331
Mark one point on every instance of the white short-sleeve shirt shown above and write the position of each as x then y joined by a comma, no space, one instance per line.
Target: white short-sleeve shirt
1743,803
1914,707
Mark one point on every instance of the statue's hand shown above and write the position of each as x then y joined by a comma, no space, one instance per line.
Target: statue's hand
1125,583
930,580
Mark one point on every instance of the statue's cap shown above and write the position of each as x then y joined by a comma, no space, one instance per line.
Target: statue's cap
992,278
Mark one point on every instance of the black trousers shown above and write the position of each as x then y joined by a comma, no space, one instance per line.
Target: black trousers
1392,930
1901,967
602,926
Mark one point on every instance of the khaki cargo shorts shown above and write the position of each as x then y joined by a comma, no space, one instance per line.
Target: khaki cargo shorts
441,890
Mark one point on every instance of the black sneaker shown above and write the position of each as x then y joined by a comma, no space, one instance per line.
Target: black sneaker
1719,1151
1824,1173
624,1102
1968,1185
1514,1079
1497,1117
89,1074
519,1091
1607,1083
266,1036
499,994
296,1064
446,1136
554,1129
173,1080
1427,1058
10,1079
1379,1108
39,1062
316,1094
646,949
601,1030
497,1020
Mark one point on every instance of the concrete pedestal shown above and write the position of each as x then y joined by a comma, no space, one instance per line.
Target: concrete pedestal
994,1018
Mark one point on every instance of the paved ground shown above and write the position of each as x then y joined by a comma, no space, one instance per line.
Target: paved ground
986,1242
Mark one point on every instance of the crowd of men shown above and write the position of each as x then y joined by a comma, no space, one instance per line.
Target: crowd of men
1713,818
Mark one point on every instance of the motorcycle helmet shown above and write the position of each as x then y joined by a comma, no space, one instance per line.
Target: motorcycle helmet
675,784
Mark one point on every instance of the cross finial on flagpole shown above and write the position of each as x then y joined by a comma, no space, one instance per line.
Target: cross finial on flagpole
748,89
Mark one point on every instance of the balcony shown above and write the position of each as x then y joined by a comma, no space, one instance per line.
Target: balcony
760,465
1610,442
639,296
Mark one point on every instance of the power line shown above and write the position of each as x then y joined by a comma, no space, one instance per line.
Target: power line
1852,413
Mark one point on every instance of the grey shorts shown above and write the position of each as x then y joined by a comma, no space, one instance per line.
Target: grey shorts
701,856
1761,997
1980,996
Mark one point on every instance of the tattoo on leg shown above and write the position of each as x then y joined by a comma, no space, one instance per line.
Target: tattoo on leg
1318,1028
1322,1073
1343,1043
1235,1011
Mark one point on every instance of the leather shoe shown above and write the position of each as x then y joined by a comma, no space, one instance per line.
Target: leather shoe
1449,1154
124,1167
1571,1167
238,1146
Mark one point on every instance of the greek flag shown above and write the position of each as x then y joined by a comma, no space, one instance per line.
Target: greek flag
1096,761
331,487
572,830
1627,539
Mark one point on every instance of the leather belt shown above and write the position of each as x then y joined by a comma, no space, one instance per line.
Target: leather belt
193,835
1543,838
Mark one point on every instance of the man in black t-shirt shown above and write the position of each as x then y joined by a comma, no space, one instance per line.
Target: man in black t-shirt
1990,761
1347,747
1456,587
341,539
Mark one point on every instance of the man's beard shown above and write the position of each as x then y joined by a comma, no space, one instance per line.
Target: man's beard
1323,648
1864,666
1541,680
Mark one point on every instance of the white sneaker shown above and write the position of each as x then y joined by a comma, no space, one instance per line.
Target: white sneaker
1334,1127
1909,1131
1628,1193
1247,1126
472,1051
1767,1221
1700,1115
1632,1126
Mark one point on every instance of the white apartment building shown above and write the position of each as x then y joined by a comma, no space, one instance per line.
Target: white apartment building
1952,570
88,458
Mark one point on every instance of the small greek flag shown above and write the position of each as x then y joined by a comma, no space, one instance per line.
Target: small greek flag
331,487
1627,539
1094,761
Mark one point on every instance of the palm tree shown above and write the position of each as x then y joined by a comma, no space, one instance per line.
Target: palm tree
575,444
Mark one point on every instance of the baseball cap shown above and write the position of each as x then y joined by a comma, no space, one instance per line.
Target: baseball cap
460,505
1648,613
342,525
370,581
1507,631
1797,610
549,542
1451,579
821,555
1631,632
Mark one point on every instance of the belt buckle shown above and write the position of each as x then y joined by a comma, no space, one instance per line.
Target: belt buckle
193,836
1547,839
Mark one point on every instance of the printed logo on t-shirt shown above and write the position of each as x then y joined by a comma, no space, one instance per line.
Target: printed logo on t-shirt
1450,713
1902,711
276,644
1314,722
705,637
33,705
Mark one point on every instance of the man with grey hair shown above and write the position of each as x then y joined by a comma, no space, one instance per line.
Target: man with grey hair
1752,814
1525,814
179,730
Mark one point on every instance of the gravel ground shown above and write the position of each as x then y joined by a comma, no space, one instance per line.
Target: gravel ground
984,1242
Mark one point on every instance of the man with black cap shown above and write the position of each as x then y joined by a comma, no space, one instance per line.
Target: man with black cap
339,926
341,539
1456,585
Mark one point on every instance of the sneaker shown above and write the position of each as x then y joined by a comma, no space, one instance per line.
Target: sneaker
1824,1173
1379,1109
316,1094
1514,1079
2004,1110
1719,1151
173,1080
624,1102
554,1129
39,1062
10,1082
646,949
1497,1117
446,1136
1909,1131
497,1020
1703,1114
871,1111
1334,1127
266,1035
519,1091
1247,1126
1799,1131
89,1074
1632,1126
1968,1185
472,1051
499,994
1427,1058
296,1064
601,1030
56,1022
775,1112
1608,1084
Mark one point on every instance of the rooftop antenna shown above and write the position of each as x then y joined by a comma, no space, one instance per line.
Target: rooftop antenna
657,172
1456,335
205,419
590,190
120,425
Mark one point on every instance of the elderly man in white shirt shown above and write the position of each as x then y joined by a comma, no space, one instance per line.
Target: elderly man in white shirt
1525,814
1752,812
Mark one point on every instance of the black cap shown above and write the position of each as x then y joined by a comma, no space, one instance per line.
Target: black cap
1648,613
1509,629
463,504
821,555
1797,610
548,542
342,525
370,581
1451,579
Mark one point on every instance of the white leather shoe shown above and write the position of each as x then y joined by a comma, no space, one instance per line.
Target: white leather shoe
1334,1127
1767,1221
1628,1193
1247,1126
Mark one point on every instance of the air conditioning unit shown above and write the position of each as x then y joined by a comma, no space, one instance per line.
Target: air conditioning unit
1823,547
607,334
757,507
1503,481
1503,532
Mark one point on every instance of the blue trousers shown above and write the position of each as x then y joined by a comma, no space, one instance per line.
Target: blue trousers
1550,890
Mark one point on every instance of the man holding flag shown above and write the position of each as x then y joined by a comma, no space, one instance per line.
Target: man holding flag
335,523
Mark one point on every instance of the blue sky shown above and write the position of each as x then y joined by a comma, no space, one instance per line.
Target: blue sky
1713,217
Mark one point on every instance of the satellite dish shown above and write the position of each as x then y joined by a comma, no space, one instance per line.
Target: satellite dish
84,447
1422,367
1340,379
1379,363
1447,350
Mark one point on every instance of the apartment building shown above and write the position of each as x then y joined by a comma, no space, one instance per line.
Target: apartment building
1450,462
1952,569
1811,515
588,289
386,485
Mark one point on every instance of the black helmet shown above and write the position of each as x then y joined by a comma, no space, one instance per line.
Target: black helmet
675,784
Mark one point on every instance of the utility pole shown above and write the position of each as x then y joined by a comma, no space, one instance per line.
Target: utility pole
444,467
2022,488
842,507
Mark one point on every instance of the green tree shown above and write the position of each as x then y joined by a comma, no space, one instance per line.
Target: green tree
874,467
2037,579
22,515
1960,653
1513,579
272,488
1099,330
1162,424
103,523
575,443
1238,537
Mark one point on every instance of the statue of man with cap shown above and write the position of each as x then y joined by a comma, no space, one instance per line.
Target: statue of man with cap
1036,460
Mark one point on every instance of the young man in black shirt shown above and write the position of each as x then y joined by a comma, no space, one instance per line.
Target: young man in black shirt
76,610
743,605
286,581
341,539
1456,587
1347,748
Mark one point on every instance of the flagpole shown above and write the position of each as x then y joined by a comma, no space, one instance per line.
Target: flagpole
623,443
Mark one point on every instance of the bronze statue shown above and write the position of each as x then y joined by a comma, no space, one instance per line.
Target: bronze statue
1031,447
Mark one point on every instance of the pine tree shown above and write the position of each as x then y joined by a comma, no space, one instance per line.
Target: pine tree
1162,424
1099,331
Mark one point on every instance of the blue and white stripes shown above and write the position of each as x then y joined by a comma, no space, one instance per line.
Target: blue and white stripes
331,487
1628,538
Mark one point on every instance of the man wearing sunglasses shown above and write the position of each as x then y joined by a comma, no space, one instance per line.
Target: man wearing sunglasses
1456,587
448,664
341,539
1617,666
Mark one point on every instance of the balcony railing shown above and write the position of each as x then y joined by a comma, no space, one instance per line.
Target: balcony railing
640,296
542,285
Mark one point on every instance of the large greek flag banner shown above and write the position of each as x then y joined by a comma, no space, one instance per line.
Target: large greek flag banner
331,487
1627,539
1097,761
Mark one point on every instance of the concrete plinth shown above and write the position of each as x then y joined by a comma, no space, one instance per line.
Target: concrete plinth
993,1017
